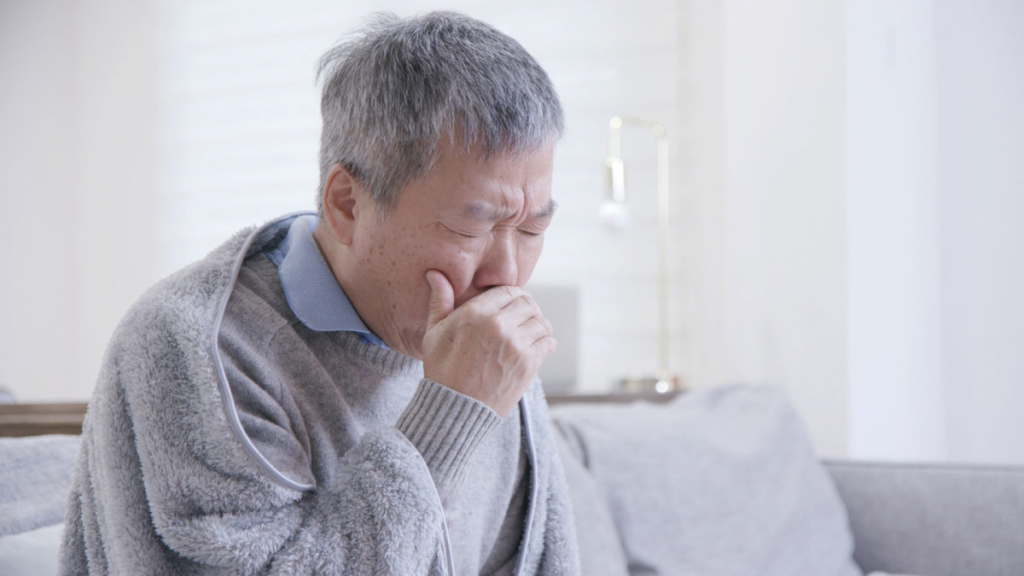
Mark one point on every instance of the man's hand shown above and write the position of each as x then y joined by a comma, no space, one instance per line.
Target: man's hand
490,347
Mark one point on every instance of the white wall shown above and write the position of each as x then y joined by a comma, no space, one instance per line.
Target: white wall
857,190
75,183
897,407
767,221
980,55
936,194
36,110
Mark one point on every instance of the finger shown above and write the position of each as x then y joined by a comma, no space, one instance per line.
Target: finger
496,298
442,297
518,311
545,346
529,298
534,329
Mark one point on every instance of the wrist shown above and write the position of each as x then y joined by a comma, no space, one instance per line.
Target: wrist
446,427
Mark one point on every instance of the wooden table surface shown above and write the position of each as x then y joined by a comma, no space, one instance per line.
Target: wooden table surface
66,418
39,419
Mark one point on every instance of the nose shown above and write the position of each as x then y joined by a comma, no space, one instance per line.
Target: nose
498,267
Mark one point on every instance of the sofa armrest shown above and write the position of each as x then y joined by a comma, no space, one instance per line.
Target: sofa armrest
934,520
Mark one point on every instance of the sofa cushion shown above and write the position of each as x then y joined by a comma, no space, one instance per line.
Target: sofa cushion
600,547
722,481
32,553
948,519
35,479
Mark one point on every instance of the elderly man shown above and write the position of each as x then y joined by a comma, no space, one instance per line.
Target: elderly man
352,392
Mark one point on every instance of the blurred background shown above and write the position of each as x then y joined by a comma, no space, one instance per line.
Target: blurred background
847,185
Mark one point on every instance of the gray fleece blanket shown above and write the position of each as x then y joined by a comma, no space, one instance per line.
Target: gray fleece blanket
167,483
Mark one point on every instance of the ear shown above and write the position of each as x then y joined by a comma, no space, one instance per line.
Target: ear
339,203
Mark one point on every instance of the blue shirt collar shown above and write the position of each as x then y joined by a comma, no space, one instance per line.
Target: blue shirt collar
310,287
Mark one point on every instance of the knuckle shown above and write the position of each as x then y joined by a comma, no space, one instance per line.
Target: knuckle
494,323
547,346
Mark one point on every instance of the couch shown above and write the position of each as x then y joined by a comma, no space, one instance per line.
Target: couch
928,520
726,481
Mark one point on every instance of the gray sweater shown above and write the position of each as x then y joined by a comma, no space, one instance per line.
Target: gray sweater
224,437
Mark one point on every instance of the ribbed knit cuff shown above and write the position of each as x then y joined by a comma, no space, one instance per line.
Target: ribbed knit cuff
446,427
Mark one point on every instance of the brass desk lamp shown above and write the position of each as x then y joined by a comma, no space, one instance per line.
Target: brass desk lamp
614,213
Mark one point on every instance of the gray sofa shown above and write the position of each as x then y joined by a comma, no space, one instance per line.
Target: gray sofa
937,520
690,486
928,520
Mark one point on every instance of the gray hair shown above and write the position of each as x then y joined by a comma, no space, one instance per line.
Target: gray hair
392,92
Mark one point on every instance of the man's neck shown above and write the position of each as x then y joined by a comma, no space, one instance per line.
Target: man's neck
337,258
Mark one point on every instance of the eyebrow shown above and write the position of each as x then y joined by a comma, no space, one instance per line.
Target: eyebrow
489,213
547,211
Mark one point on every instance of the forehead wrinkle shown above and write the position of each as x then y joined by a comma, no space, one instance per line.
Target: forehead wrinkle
487,212
506,203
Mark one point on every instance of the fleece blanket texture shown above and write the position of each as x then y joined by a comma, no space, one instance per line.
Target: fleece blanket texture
168,482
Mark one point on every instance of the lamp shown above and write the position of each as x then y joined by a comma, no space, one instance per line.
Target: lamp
613,212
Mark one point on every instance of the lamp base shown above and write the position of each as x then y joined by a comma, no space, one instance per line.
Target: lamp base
647,384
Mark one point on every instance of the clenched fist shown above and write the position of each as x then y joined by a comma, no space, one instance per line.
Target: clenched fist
490,347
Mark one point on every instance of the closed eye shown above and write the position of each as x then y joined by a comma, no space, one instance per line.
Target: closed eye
460,233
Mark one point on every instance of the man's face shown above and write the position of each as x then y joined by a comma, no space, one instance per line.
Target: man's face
480,223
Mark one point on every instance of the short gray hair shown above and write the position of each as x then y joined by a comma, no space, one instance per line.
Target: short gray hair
392,92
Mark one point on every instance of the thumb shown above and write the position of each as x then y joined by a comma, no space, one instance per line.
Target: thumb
442,297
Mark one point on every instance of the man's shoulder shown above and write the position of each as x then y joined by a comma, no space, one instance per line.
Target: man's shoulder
257,307
191,301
